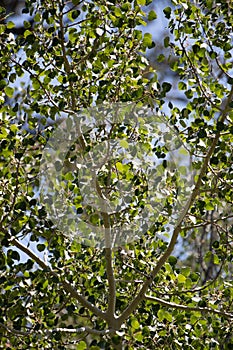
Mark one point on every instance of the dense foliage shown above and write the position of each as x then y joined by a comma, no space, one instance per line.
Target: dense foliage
153,293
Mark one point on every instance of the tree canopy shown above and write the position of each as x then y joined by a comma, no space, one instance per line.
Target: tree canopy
116,177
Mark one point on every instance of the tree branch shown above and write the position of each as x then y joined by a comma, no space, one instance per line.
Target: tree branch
109,268
67,286
65,330
195,74
140,296
111,283
14,331
82,330
188,308
50,99
68,70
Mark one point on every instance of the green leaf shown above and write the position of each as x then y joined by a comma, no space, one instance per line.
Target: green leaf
81,345
10,25
45,284
141,2
15,255
172,260
168,316
220,126
27,33
181,278
186,271
166,86
3,83
9,91
182,85
138,336
124,144
119,166
40,247
147,40
209,206
2,11
216,259
194,276
160,58
161,315
214,160
117,12
36,84
27,24
37,17
216,244
21,205
135,324
166,41
167,12
2,28
152,15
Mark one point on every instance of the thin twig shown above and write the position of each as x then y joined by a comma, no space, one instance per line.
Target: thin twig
62,330
38,80
82,330
188,308
14,331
